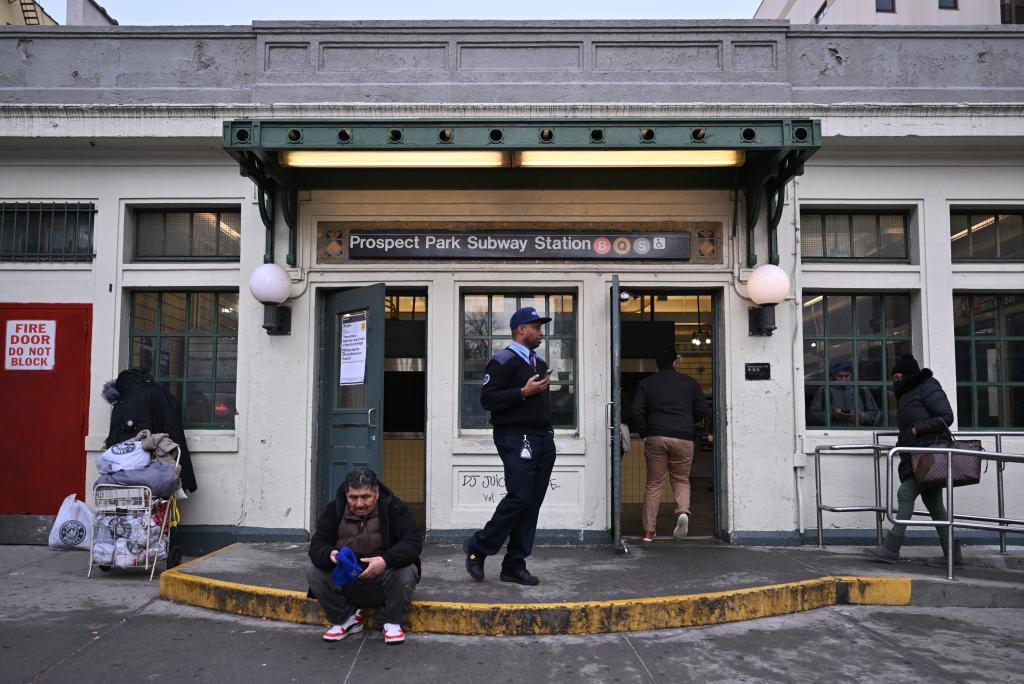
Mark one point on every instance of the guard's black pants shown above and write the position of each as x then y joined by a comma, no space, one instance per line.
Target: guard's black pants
526,483
389,592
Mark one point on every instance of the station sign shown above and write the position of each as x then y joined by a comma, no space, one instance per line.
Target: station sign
30,345
564,245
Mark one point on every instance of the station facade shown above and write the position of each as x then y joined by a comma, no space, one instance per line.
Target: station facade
135,212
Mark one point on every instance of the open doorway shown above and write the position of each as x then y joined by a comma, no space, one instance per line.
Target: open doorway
405,398
653,321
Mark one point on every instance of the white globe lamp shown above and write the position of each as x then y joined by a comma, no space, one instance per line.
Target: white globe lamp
768,285
270,285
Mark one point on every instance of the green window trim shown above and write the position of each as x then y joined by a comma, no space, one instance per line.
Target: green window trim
188,342
879,234
496,335
868,330
46,232
988,334
203,234
986,235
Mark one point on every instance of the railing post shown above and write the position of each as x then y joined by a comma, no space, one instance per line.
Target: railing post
949,515
817,495
1000,493
878,500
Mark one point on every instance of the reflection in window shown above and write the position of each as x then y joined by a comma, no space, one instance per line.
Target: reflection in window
850,342
835,234
986,236
193,351
989,337
187,234
485,330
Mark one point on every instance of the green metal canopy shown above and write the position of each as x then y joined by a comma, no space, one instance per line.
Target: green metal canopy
773,152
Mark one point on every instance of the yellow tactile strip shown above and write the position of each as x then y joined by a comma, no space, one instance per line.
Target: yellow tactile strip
583,617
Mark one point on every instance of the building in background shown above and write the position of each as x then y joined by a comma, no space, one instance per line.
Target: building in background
24,13
416,182
894,12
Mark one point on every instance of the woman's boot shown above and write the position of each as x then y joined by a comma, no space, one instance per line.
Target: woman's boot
958,555
888,552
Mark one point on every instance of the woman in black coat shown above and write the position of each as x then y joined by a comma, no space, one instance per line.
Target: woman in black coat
923,416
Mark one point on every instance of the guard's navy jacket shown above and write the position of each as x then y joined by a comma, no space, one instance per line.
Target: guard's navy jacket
511,413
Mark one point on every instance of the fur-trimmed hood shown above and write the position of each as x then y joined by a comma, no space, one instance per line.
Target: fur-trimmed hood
125,384
906,384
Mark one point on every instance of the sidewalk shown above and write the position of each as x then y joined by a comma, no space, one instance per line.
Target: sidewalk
594,589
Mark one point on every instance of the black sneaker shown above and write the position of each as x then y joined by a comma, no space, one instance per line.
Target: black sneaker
474,561
520,576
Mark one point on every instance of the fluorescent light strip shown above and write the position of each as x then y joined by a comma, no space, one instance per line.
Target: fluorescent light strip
376,159
628,158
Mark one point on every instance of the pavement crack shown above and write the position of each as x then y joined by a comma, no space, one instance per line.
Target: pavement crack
355,658
639,658
906,653
96,637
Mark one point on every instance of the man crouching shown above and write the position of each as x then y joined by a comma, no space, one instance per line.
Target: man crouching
374,523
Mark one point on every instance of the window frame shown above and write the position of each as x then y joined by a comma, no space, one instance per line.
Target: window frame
157,334
850,212
192,210
1003,384
81,251
519,294
956,5
975,211
822,11
853,338
890,10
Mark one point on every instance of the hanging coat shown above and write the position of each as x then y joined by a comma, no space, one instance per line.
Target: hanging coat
142,404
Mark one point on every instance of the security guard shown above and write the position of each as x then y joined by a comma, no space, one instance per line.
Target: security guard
515,391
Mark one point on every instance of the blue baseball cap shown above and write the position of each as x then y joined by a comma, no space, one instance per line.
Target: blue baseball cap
527,315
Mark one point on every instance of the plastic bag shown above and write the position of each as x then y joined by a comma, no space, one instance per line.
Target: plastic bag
73,527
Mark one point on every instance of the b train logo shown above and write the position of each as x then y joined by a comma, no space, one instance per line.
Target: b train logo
602,245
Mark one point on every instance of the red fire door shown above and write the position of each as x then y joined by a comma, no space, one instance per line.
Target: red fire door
44,386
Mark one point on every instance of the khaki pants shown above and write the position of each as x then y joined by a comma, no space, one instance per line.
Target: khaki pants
672,457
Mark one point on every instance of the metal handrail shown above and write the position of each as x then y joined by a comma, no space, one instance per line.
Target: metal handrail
950,522
879,510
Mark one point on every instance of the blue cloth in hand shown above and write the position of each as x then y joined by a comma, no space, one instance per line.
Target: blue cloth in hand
347,569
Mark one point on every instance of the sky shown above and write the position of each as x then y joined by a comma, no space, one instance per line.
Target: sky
180,12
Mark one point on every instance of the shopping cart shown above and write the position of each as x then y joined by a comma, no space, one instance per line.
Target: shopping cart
132,528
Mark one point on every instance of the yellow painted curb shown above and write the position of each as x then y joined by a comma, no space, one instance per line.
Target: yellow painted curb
583,617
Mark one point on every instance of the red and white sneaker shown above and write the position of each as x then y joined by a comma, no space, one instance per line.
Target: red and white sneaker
353,625
393,633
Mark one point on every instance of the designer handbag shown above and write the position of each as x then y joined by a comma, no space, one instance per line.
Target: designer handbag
930,467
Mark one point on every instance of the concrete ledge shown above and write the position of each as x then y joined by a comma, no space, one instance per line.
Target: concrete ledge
584,617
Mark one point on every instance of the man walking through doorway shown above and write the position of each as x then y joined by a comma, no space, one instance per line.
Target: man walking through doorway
666,406
515,391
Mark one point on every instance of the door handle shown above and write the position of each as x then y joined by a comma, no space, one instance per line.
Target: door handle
369,418
608,415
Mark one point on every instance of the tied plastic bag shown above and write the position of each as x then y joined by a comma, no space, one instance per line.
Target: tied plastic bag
73,527
122,456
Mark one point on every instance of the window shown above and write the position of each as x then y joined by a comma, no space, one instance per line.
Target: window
948,4
989,334
189,234
885,5
188,341
1012,11
485,330
38,232
986,235
835,234
850,343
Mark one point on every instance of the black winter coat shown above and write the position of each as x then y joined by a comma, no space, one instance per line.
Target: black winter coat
402,540
921,404
142,404
667,404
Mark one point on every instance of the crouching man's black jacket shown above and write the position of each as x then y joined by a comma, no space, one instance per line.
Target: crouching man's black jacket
401,538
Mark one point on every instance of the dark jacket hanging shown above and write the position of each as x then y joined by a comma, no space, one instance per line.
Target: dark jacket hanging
142,404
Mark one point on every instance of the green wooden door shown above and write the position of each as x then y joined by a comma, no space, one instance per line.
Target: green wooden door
352,386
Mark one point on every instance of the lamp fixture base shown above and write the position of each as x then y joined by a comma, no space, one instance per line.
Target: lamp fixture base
277,319
761,320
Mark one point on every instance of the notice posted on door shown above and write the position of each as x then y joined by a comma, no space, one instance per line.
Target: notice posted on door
30,345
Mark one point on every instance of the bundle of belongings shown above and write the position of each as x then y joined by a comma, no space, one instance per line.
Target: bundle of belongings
147,460
130,540
139,404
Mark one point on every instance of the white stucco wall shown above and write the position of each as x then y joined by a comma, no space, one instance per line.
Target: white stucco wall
908,12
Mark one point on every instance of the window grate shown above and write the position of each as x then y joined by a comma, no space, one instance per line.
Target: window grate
46,232
828,235
198,234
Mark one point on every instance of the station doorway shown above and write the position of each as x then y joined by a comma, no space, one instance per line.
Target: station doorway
652,321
